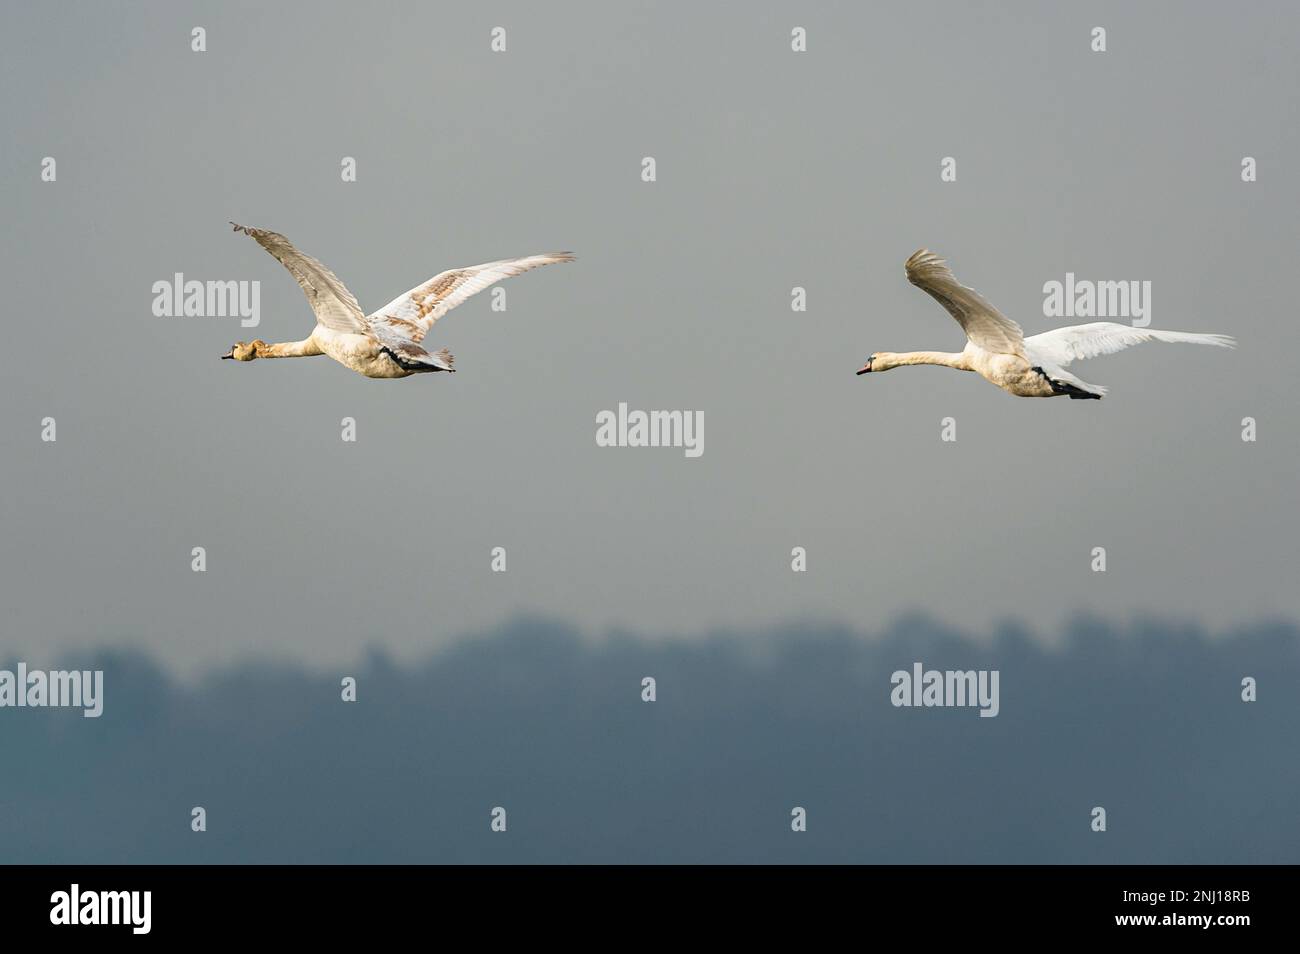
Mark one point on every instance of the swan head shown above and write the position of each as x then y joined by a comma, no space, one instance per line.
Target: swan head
244,351
880,361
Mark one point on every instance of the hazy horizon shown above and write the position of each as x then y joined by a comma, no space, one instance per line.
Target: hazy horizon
1145,721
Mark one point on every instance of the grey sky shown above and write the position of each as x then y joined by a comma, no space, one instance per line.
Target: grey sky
775,169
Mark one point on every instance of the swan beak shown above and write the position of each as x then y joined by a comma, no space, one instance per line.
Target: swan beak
230,354
865,368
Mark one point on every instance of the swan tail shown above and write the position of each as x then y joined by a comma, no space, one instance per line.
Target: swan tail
416,359
1082,391
1063,382
1079,394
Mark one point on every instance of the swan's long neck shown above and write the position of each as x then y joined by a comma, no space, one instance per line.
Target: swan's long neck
885,360
289,349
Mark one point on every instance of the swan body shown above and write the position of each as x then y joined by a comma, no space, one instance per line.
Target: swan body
998,351
385,343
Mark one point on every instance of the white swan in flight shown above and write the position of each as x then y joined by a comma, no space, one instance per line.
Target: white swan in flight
386,343
998,350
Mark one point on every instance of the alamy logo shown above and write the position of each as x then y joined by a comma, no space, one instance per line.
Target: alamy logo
194,299
626,428
102,907
950,687
57,688
1089,299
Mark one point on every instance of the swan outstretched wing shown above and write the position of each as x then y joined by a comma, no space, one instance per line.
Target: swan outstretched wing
984,325
1060,346
410,316
334,306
